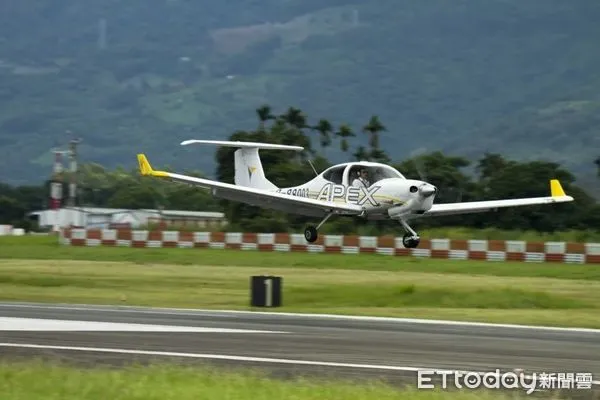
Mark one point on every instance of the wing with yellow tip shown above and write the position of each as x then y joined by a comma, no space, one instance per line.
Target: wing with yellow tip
556,189
146,168
257,197
557,195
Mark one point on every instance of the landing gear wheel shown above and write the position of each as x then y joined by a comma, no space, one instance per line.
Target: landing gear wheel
310,234
409,241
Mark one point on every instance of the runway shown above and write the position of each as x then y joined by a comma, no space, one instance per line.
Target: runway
287,343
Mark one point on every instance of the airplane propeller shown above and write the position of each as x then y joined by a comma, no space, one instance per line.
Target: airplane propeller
420,168
426,190
421,171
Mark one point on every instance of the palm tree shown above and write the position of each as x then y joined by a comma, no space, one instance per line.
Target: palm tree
324,128
380,156
372,128
344,132
264,114
295,117
361,154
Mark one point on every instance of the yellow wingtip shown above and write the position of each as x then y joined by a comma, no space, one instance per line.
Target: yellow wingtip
556,189
145,167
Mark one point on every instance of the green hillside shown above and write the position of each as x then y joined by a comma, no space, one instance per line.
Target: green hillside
517,77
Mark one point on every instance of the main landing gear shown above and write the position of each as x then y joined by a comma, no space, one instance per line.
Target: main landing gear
311,234
410,240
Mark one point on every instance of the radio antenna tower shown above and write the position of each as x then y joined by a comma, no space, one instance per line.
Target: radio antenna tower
56,186
73,161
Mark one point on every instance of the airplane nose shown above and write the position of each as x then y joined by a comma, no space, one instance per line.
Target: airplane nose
427,190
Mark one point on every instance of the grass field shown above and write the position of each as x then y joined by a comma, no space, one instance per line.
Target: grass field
46,248
36,269
37,380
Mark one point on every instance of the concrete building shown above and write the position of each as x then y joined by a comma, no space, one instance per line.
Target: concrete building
94,217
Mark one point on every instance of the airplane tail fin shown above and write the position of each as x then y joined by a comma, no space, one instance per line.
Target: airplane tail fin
249,171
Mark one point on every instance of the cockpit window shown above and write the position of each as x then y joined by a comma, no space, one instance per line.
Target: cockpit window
335,174
373,173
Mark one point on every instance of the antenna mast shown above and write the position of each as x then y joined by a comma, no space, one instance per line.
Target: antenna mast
73,158
56,187
313,167
73,175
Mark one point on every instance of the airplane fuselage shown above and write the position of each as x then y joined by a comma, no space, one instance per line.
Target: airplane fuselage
376,200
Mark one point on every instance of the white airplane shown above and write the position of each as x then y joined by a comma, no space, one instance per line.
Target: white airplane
338,191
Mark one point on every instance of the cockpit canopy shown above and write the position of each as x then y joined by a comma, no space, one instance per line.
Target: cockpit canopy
346,173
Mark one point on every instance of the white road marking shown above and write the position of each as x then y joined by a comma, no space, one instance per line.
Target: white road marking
48,325
243,358
208,312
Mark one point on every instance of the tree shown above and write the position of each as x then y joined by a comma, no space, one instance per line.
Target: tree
344,132
597,162
10,210
189,198
378,155
446,173
530,179
145,195
324,128
295,117
373,128
264,114
361,154
490,164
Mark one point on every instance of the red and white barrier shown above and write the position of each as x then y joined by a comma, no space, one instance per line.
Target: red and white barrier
490,250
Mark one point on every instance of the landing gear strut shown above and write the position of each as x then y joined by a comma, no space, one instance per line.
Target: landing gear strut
311,234
410,240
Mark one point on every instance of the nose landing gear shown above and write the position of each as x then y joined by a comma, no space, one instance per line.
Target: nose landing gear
411,239
311,234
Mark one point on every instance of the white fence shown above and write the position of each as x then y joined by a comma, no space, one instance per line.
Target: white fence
8,230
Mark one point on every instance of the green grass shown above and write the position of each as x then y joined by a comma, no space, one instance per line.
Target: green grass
331,289
37,380
38,269
527,300
46,248
400,295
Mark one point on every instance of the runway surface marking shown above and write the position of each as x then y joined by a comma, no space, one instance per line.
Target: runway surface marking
248,359
208,312
54,325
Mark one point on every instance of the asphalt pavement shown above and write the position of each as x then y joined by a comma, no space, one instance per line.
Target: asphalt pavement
289,344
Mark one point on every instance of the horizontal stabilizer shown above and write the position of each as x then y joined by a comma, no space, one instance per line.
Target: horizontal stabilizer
254,145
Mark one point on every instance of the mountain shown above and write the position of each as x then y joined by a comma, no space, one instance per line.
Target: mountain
516,77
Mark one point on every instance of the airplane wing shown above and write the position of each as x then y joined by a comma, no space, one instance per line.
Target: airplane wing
557,195
255,197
